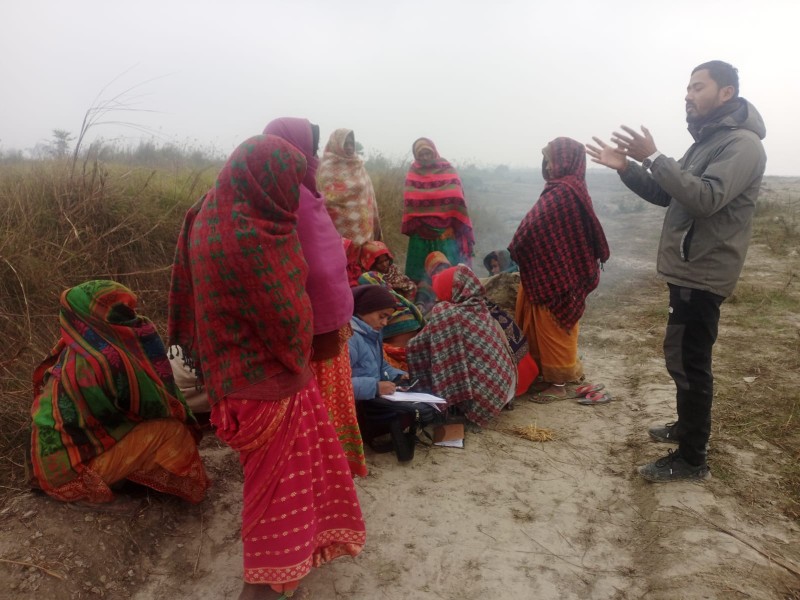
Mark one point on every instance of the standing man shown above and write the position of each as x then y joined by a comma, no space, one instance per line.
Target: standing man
710,195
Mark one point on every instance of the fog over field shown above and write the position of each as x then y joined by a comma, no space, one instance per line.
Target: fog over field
491,83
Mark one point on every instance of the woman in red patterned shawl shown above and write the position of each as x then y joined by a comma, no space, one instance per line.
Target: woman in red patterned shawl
106,406
345,184
239,305
559,247
435,213
329,290
462,354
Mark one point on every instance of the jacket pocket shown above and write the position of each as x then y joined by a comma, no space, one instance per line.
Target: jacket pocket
686,243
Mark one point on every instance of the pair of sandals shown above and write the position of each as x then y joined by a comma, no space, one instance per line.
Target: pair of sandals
592,393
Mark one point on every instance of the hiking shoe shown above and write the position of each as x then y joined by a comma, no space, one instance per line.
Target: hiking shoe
673,467
666,434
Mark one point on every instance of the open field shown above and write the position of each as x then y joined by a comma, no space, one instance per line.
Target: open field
502,518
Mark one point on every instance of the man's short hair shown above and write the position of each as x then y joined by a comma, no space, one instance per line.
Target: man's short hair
722,73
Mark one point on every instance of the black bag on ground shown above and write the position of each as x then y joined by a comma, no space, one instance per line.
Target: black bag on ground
401,420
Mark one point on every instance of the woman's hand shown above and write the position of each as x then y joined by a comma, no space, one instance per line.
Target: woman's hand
386,387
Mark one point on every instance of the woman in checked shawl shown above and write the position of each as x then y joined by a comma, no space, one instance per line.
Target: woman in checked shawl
345,184
559,247
462,354
239,304
435,216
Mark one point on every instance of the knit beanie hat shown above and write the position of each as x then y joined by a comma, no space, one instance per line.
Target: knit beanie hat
369,298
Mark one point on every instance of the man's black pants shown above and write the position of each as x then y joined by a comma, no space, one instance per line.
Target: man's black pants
691,333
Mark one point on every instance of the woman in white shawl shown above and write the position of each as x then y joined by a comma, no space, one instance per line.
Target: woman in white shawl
347,188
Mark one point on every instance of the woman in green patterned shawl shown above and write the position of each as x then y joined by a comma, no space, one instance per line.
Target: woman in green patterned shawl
106,407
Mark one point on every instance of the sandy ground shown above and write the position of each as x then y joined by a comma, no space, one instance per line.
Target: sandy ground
502,518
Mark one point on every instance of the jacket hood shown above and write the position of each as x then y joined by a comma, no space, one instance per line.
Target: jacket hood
745,116
360,327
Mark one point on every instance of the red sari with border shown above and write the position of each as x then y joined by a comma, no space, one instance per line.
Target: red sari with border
300,505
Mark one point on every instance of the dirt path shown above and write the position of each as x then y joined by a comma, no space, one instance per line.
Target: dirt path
503,518
567,519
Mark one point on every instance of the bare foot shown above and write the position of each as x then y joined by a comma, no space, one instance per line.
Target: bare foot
554,392
253,591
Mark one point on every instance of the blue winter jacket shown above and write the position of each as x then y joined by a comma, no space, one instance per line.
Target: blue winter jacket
366,359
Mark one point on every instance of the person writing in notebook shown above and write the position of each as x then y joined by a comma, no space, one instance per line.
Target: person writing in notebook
373,306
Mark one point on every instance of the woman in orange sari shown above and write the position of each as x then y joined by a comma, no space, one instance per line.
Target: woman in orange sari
240,272
559,247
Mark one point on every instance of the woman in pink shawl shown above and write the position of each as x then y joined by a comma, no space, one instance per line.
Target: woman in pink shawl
329,290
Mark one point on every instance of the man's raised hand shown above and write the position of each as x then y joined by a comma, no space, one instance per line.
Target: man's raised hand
603,154
635,145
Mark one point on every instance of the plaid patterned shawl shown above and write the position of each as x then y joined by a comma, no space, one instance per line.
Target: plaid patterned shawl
107,373
348,192
238,300
434,201
560,242
462,355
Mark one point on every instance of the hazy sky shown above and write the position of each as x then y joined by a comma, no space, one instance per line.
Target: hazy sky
489,82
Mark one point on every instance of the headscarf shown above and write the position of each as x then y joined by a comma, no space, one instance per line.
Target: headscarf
442,284
238,299
347,188
397,280
434,260
406,317
434,200
371,252
560,242
327,284
503,258
461,355
108,372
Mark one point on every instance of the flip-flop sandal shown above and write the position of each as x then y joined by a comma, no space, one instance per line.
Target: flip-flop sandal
585,390
595,398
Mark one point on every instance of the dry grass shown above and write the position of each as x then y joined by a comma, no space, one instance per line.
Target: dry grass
59,230
531,432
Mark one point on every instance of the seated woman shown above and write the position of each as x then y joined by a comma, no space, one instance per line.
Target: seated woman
500,261
527,370
106,406
404,324
375,256
462,355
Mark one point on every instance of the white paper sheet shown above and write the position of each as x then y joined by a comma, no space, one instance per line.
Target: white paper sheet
414,397
450,443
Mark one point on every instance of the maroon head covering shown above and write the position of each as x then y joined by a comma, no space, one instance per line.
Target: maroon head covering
560,242
299,133
327,285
